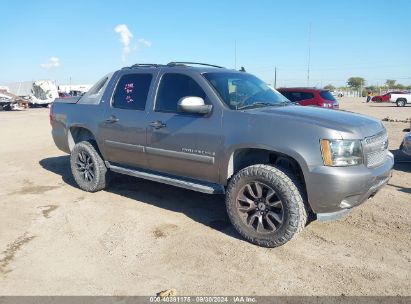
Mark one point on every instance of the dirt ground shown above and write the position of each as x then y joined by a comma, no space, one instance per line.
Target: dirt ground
140,237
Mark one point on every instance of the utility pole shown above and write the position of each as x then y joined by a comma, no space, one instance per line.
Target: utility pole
235,54
309,55
275,78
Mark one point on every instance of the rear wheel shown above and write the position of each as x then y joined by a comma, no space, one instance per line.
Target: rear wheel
87,167
401,102
265,205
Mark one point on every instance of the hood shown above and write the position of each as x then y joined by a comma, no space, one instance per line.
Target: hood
349,125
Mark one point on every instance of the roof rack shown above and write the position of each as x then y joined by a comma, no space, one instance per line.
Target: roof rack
176,63
170,64
143,65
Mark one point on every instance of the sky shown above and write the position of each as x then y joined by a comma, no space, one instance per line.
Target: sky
80,41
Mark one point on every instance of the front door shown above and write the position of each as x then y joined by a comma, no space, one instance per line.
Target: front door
180,143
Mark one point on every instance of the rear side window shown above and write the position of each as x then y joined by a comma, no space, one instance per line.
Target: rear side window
295,96
327,95
131,91
306,95
298,96
172,88
286,94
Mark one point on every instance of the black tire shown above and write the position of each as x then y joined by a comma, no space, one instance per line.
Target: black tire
84,157
401,102
292,213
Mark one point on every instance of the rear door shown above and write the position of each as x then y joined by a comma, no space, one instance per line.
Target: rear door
125,121
179,143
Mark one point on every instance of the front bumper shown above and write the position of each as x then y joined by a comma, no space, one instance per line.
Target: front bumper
334,189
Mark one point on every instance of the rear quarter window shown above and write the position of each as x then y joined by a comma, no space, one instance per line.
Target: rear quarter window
327,95
93,96
306,95
298,96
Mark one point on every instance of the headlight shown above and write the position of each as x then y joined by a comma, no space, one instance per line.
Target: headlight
341,153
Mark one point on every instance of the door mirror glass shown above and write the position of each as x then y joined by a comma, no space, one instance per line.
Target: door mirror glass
191,104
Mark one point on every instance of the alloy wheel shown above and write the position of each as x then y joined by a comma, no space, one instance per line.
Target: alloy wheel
260,208
85,166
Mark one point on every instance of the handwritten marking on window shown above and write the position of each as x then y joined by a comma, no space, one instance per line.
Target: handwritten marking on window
128,88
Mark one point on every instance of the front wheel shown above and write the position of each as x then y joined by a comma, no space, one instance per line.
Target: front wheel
401,103
87,167
265,205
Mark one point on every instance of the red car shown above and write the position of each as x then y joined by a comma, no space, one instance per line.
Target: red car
386,97
310,97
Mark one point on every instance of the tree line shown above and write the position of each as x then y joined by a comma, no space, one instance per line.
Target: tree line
357,83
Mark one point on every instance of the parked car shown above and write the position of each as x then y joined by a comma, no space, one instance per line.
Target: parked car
6,102
220,131
64,95
76,93
400,99
337,93
310,97
406,143
9,101
384,98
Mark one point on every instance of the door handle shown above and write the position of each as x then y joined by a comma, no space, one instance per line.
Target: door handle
157,124
111,119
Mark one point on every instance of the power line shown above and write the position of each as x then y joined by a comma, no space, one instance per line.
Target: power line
235,54
285,68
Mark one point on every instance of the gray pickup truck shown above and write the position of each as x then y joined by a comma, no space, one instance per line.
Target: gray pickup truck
221,131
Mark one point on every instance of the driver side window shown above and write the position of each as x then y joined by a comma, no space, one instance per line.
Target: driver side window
172,88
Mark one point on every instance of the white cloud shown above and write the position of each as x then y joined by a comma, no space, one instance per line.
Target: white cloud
145,42
125,38
53,63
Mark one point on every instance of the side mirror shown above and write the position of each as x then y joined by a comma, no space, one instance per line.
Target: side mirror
191,104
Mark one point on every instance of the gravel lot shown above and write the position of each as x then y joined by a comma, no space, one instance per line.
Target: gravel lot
140,237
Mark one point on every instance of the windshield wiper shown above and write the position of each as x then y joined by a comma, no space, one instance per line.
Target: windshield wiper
259,104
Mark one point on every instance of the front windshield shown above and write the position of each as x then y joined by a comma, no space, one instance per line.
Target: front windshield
244,91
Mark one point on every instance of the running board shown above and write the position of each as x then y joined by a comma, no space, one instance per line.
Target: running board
190,184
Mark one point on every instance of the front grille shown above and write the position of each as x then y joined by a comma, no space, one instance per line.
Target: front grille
376,149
